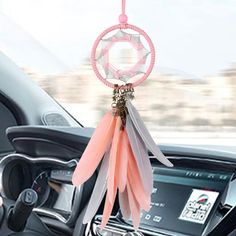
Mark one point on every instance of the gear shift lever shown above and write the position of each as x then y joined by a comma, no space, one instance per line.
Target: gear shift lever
22,209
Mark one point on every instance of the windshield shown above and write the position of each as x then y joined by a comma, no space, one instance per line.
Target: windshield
190,97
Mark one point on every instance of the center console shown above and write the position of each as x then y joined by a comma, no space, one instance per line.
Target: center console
184,202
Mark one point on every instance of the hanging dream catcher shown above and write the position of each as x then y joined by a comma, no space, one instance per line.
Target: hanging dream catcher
122,57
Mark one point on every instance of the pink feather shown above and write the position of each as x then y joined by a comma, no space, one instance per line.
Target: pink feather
134,207
122,159
95,149
136,184
108,208
113,168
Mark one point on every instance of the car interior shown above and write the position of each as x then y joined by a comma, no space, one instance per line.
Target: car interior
42,141
40,146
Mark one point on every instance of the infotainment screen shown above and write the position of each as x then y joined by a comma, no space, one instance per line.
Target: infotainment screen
183,200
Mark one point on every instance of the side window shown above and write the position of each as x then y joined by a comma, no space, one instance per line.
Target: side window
7,119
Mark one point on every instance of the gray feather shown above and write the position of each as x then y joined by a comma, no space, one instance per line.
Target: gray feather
144,133
124,204
98,191
141,155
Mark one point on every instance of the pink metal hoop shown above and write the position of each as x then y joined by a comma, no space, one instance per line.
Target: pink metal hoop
116,27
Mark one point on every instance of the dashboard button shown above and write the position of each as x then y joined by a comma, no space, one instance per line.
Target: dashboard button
61,175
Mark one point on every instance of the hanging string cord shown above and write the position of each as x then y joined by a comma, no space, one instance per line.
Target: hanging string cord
123,6
123,17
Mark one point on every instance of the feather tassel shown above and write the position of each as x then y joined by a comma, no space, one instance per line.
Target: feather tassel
108,208
122,162
98,191
144,133
141,155
113,168
124,204
134,206
136,184
126,167
95,150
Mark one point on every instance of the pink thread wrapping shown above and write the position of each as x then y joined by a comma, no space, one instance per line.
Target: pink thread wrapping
116,27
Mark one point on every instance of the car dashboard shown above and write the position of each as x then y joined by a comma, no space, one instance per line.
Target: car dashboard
190,198
49,177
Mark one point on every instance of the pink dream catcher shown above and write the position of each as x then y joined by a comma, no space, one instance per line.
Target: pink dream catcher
121,141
